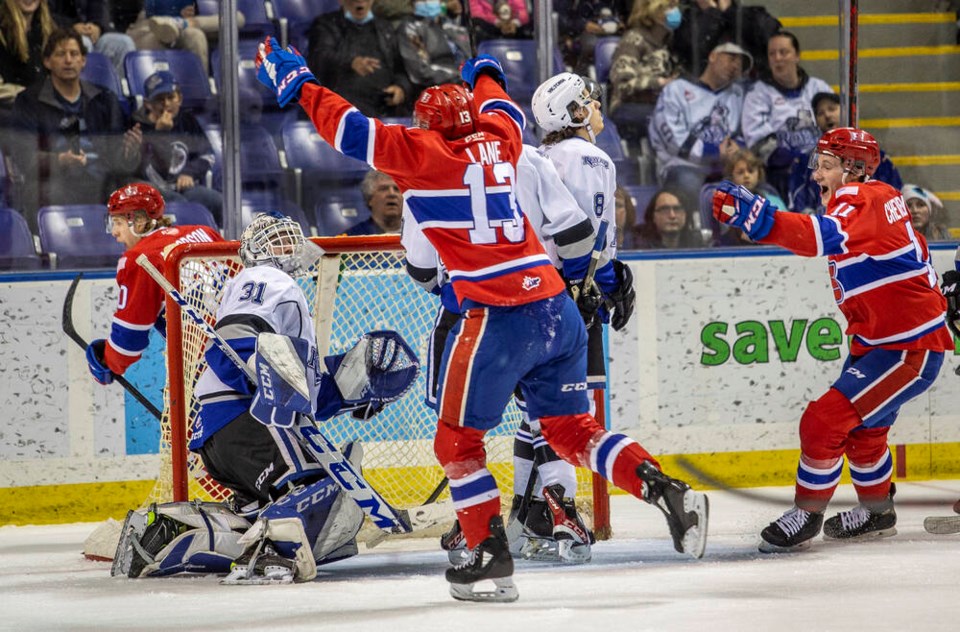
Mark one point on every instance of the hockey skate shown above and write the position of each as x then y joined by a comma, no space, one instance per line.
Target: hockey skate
455,544
877,520
687,511
791,532
557,533
489,560
142,536
260,565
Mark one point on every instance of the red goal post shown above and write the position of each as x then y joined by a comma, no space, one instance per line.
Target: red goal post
360,284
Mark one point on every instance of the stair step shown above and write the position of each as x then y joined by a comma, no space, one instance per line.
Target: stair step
882,34
805,7
926,64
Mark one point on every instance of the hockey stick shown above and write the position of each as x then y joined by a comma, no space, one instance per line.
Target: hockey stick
72,333
311,438
598,243
468,24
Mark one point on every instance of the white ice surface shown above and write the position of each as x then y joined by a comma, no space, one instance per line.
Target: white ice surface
636,582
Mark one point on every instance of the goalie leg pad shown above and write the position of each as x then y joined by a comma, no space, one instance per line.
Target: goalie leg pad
182,537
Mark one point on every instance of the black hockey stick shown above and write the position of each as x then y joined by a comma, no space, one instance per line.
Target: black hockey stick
468,24
71,332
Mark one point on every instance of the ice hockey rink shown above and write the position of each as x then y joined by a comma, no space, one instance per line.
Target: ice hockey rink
910,582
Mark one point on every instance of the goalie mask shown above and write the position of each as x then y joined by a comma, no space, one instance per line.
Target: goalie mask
276,240
857,150
557,101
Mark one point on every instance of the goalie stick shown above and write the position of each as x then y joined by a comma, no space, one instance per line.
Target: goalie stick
349,479
72,333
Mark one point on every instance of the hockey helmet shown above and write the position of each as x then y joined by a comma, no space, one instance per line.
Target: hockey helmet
131,198
557,99
855,148
277,240
448,109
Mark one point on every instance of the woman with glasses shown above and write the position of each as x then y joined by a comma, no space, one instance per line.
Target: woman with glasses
667,224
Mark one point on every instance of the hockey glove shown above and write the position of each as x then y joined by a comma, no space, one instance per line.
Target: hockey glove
622,300
736,206
471,70
283,71
951,290
378,370
98,367
588,298
287,380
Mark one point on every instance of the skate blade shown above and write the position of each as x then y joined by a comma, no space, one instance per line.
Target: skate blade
882,533
695,538
238,577
505,591
572,552
942,525
767,547
133,527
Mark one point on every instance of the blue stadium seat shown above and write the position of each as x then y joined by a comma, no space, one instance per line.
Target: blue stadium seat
257,17
259,161
17,251
295,17
317,167
641,195
603,57
75,236
184,65
609,141
254,97
253,202
99,70
339,211
190,213
519,60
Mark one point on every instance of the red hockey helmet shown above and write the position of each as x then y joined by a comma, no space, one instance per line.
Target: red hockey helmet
852,145
448,109
138,196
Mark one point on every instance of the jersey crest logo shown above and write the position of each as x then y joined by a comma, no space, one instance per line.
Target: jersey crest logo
531,283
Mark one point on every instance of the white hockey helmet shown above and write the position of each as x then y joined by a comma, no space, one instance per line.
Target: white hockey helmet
277,240
557,98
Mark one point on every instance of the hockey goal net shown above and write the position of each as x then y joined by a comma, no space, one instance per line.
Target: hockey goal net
360,284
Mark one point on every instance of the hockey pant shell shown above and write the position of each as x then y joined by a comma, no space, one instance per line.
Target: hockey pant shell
854,418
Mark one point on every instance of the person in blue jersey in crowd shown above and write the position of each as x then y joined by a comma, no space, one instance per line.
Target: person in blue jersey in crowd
382,197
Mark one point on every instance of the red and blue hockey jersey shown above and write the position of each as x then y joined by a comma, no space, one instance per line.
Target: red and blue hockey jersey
881,272
459,192
140,301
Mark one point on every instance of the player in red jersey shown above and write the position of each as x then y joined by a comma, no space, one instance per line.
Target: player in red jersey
885,285
135,219
519,326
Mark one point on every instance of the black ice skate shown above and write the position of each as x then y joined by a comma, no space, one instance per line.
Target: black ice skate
875,520
455,544
569,539
489,560
142,537
792,531
687,511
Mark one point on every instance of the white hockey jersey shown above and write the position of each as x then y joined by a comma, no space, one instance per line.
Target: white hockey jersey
256,300
785,114
691,121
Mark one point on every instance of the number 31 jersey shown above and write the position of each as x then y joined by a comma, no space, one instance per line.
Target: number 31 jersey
259,299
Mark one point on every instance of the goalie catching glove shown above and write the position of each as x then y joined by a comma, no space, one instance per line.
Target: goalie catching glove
736,206
378,370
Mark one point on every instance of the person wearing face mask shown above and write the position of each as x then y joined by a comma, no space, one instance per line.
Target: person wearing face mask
433,44
356,53
581,22
642,65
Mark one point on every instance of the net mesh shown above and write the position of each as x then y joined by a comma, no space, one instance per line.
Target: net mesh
351,292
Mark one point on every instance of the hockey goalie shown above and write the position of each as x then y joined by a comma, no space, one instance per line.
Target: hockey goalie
287,513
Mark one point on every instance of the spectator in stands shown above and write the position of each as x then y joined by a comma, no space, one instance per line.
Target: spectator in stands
73,146
626,214
926,212
746,169
175,154
707,23
176,24
382,196
500,19
778,121
581,22
667,224
432,44
25,26
91,19
357,54
696,123
804,193
641,66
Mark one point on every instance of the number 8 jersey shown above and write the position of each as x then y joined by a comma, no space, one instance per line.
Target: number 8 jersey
459,192
880,269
